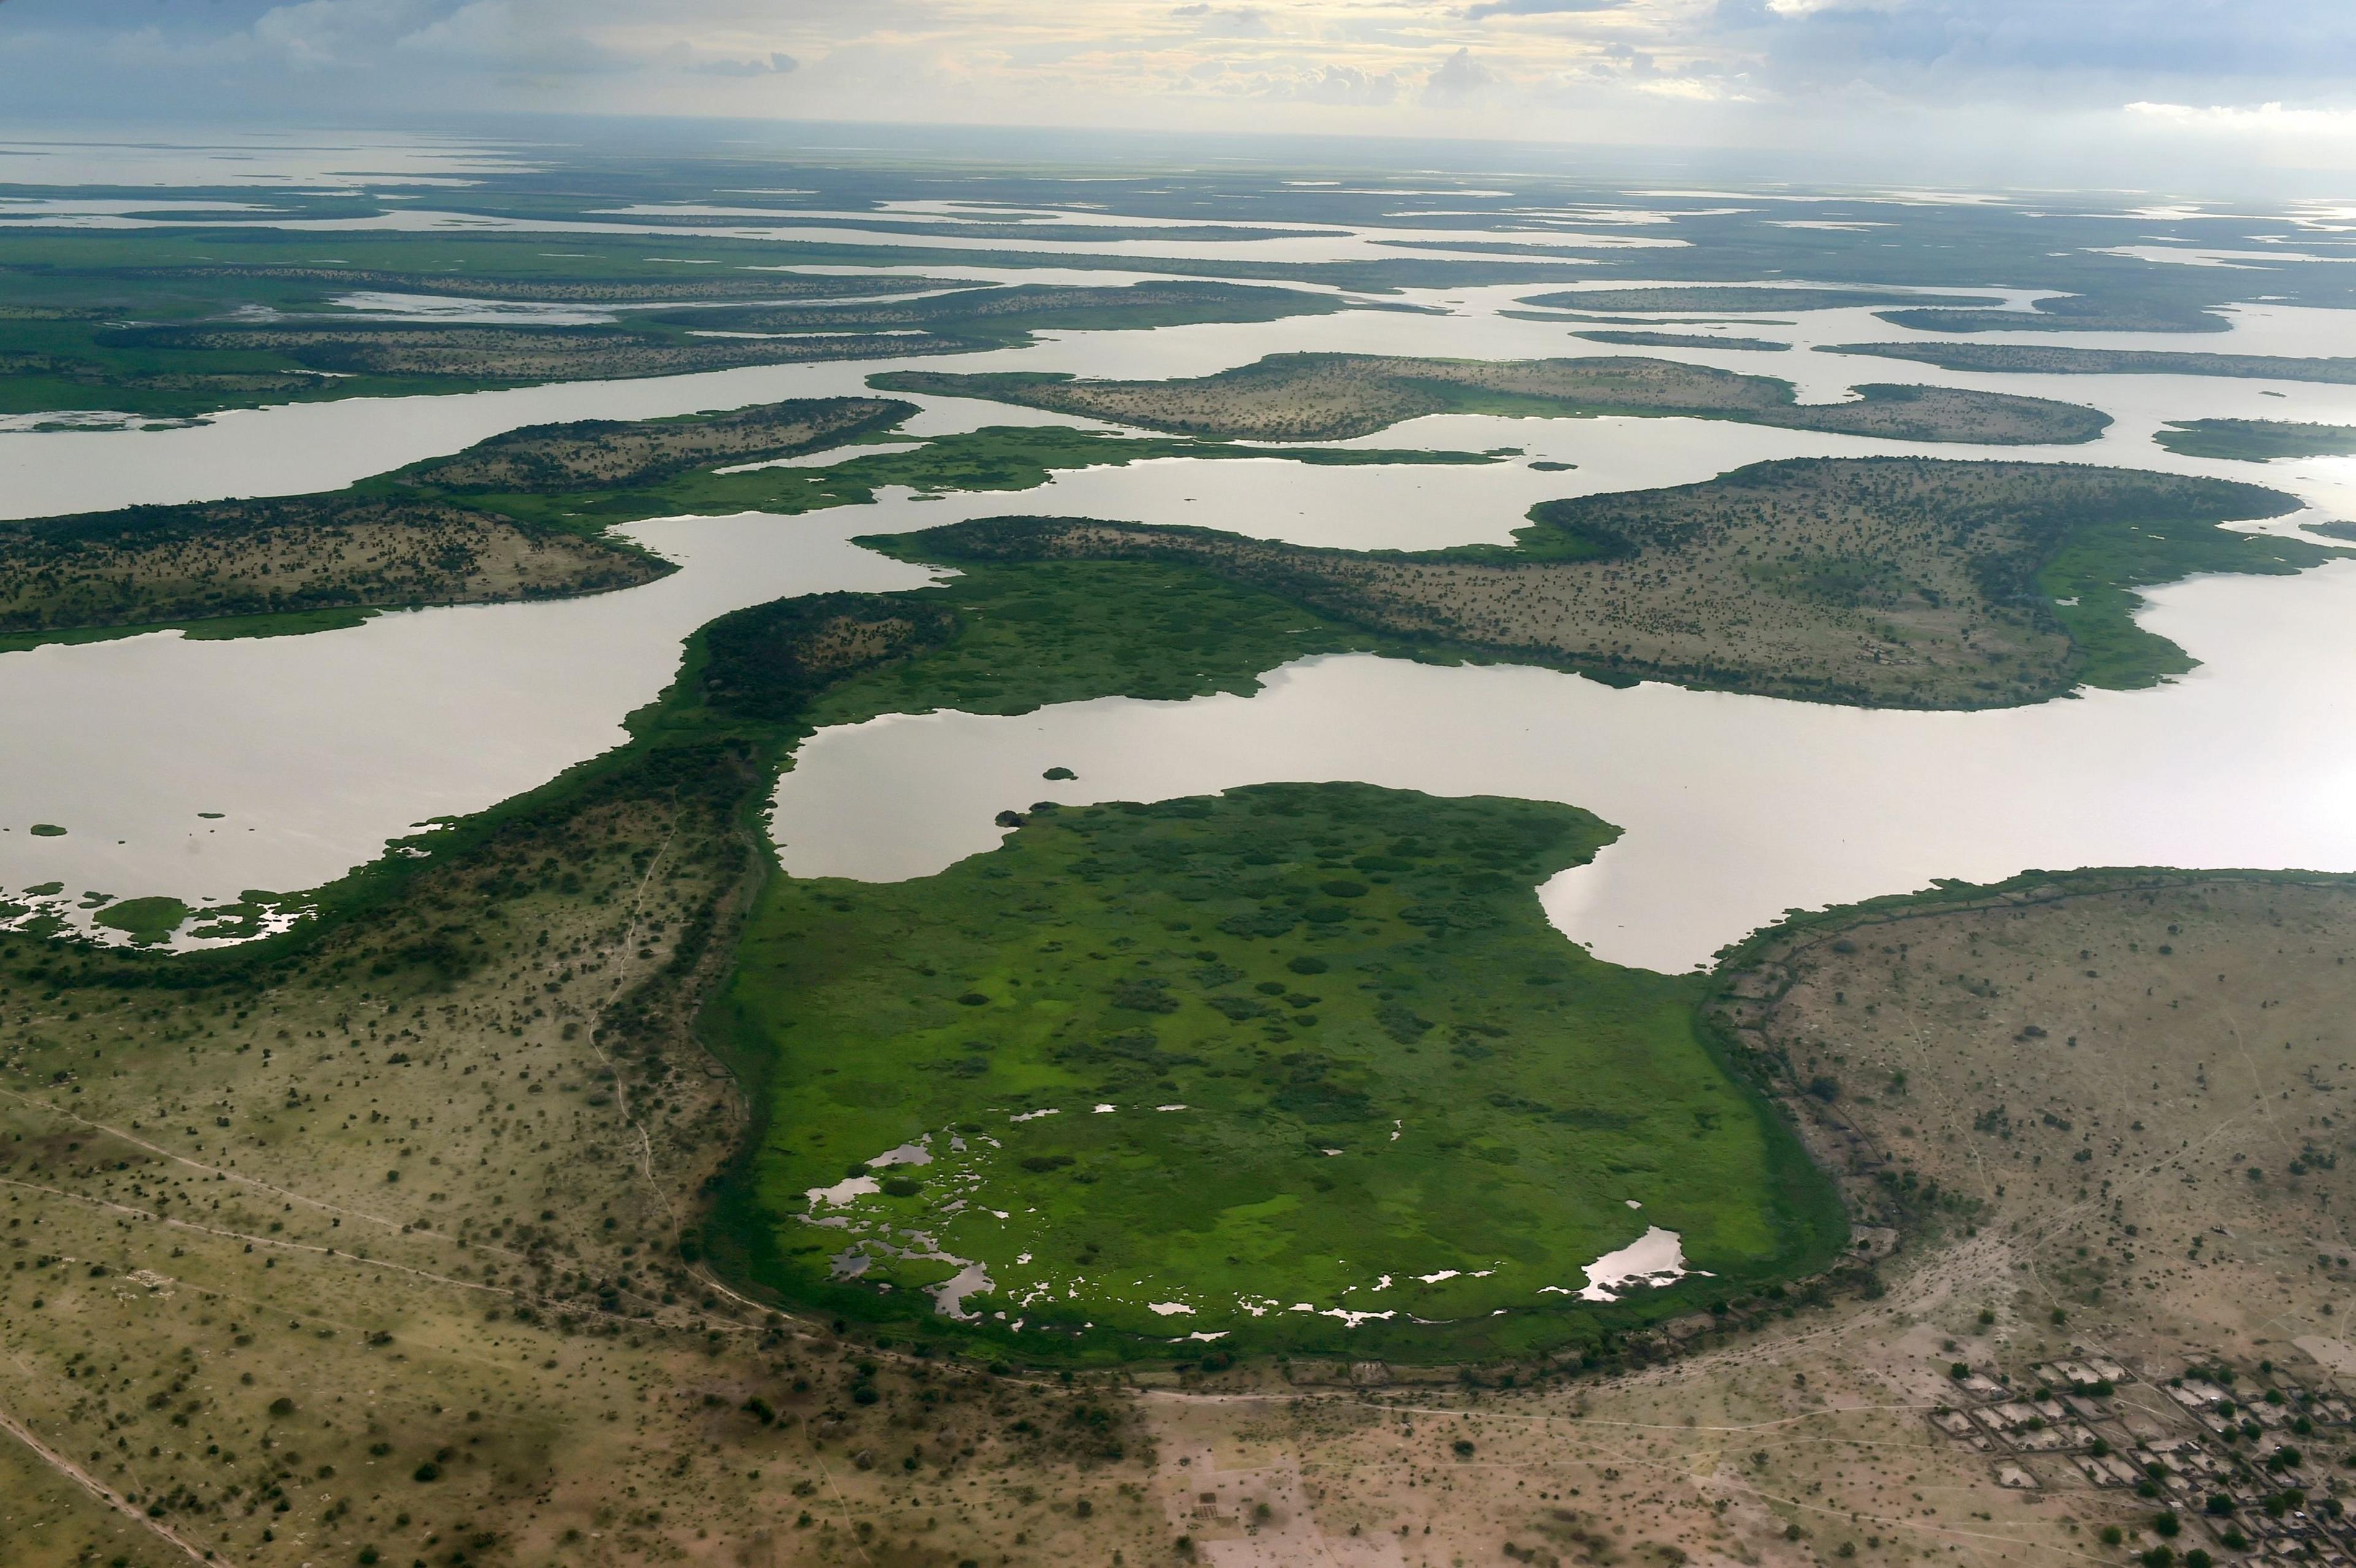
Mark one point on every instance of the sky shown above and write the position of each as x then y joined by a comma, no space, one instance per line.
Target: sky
2122,88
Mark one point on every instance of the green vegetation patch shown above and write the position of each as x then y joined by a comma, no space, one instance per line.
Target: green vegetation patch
2257,440
146,920
1035,633
1241,1066
2091,583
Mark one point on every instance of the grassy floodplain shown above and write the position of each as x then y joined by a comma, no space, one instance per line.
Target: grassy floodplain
1334,396
1243,1066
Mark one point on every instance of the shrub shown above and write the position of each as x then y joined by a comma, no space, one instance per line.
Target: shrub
428,1471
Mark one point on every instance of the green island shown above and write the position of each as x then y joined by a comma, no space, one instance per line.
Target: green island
2066,312
1333,396
1741,299
2257,440
2018,359
1640,339
308,564
1872,581
1299,1067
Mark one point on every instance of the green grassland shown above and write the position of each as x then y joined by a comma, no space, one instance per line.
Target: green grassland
2257,440
2090,581
1295,1038
1069,631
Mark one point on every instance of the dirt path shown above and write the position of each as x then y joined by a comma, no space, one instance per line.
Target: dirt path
97,1488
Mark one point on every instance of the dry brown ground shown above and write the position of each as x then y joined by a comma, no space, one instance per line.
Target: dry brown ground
1328,397
610,1425
269,1247
241,557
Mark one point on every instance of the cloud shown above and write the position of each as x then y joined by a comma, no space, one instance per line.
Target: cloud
1487,8
1344,86
1226,21
775,65
1456,79
319,34
2273,120
2001,46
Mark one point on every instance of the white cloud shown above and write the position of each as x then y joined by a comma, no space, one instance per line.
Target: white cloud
2256,120
1456,79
